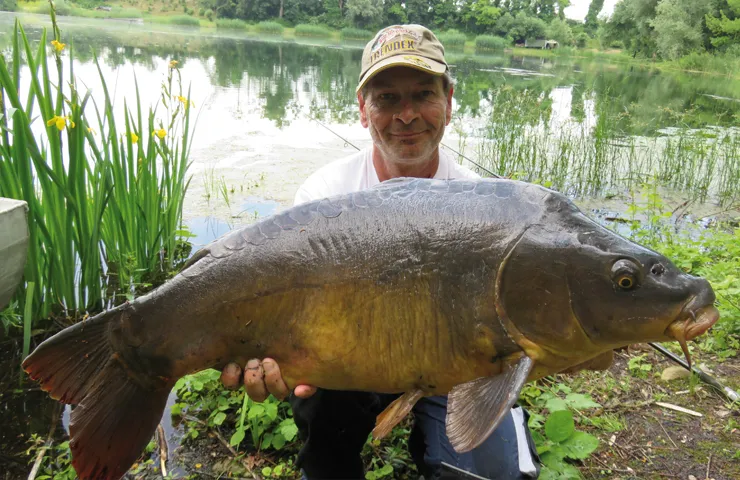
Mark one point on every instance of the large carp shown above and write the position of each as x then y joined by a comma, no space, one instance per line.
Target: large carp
426,287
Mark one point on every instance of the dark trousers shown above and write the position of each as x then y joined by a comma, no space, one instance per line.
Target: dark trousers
335,425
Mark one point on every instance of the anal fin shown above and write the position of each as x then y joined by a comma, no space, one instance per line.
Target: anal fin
475,408
395,412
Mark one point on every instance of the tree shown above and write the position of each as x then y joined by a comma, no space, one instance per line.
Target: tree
364,13
562,5
725,29
481,16
594,8
678,26
560,31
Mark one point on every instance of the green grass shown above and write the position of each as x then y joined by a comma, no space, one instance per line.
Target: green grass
184,20
104,194
490,43
272,28
452,39
355,34
69,9
232,23
319,31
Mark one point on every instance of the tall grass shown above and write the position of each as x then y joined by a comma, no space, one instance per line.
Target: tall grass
105,199
452,39
232,23
185,20
272,28
490,43
350,33
306,30
581,159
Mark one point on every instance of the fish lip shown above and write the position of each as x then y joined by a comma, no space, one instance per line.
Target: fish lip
694,320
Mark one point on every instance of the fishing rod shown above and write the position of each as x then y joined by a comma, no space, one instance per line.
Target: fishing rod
731,394
728,392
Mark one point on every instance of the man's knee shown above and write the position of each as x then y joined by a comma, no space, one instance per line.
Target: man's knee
508,453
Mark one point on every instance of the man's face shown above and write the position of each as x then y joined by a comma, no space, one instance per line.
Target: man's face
406,111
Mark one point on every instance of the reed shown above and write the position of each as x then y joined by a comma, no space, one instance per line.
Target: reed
105,198
273,28
318,31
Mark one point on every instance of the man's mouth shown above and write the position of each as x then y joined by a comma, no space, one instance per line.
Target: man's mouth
692,324
407,135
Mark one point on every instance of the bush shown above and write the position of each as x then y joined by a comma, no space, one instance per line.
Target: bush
490,42
452,39
305,30
273,28
184,20
351,33
233,23
581,40
209,14
9,5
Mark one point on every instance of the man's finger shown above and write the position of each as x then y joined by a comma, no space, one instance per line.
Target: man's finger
254,381
274,380
231,376
304,391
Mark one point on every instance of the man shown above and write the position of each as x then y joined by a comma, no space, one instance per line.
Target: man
405,99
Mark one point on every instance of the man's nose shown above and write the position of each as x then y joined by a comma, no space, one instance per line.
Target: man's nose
407,112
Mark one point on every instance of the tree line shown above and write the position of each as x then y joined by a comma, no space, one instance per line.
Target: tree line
667,28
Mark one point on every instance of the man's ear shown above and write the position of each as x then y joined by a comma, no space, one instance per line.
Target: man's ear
363,116
449,105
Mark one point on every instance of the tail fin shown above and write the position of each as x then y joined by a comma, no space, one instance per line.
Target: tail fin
116,414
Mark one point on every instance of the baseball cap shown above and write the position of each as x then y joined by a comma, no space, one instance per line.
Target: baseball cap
412,46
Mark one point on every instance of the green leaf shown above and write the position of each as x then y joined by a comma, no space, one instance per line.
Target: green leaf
267,440
556,404
278,441
271,409
278,470
386,470
559,425
267,471
580,445
580,401
289,429
219,418
236,438
255,411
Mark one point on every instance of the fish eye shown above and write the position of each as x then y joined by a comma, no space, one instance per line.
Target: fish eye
625,282
625,273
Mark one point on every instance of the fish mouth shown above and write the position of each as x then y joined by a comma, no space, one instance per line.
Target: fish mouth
690,324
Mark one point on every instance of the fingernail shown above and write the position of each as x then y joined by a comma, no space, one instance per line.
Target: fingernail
268,365
253,364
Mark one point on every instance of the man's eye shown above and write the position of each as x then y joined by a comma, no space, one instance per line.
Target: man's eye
386,97
427,93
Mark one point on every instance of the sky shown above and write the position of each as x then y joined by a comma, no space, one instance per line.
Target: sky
579,8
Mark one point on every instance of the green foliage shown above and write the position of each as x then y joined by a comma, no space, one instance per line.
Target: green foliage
520,27
725,30
490,43
678,28
452,39
232,23
594,8
581,40
9,5
305,30
185,20
201,395
555,436
350,33
481,15
364,13
56,462
560,31
272,28
639,367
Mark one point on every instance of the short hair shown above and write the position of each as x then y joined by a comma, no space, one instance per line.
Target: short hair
447,82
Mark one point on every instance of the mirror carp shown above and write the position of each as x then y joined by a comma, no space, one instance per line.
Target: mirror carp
417,286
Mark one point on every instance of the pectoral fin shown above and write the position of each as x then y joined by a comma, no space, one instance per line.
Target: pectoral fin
475,409
395,412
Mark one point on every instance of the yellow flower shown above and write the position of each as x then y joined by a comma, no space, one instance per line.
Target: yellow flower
59,122
59,46
71,123
91,130
161,133
198,465
134,137
173,63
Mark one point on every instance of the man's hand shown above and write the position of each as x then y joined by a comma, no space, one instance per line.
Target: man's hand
261,379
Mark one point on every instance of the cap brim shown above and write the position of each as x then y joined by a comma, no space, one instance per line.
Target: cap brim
413,61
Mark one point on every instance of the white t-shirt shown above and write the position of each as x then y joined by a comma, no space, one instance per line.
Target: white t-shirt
357,172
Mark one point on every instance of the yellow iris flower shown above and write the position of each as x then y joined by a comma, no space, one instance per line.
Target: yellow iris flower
161,133
173,63
59,46
134,137
60,122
